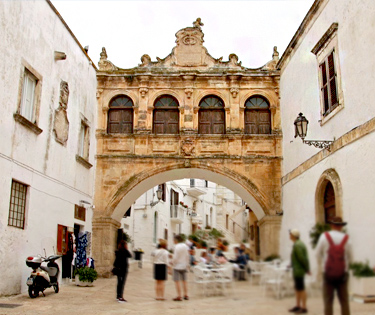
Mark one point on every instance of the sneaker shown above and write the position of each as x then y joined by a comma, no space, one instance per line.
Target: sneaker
121,300
301,311
294,309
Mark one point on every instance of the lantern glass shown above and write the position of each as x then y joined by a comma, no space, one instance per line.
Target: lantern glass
159,193
300,125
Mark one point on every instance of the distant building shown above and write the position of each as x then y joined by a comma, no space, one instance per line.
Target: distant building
47,148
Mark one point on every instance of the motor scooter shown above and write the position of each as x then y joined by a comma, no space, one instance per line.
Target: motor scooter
42,277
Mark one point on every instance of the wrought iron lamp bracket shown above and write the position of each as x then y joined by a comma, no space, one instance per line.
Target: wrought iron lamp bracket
321,144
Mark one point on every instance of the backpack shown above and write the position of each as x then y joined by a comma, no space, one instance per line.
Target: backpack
335,264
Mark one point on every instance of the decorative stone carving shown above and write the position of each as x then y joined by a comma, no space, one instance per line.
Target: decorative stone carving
234,92
61,123
104,64
143,91
188,92
146,61
198,23
271,65
99,92
187,147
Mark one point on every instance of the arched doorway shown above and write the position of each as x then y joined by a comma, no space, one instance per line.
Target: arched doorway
328,196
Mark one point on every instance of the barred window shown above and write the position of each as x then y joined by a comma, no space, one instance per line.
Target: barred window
17,205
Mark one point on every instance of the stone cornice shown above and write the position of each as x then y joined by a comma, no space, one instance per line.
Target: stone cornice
307,21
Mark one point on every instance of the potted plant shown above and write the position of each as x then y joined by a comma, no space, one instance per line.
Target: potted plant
362,280
85,277
316,231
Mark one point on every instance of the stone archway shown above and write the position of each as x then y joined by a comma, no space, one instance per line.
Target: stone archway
120,192
329,176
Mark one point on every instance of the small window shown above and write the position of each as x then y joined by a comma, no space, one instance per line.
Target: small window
27,109
257,116
192,182
211,116
17,205
79,213
166,115
328,85
84,141
120,115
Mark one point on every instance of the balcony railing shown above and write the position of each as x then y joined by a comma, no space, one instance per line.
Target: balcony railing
177,213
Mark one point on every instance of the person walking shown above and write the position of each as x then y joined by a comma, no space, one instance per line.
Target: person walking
121,265
300,266
181,260
160,269
334,254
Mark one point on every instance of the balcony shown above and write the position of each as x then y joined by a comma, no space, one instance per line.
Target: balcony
195,192
177,214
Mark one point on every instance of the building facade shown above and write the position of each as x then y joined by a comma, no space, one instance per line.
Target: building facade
47,149
188,115
326,74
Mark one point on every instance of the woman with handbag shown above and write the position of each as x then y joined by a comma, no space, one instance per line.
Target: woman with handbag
121,268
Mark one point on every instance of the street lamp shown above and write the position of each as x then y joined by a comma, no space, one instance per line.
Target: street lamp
159,195
300,127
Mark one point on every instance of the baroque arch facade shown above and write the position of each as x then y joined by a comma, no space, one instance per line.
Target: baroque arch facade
129,164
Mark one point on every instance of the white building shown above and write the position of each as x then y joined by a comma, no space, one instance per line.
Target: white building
327,73
47,147
185,206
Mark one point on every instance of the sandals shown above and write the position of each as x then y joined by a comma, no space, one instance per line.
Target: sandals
160,299
177,298
186,297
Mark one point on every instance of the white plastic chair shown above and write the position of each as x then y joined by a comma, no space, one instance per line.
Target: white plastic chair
224,276
277,280
255,270
202,277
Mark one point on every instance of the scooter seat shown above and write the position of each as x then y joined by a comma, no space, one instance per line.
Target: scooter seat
52,271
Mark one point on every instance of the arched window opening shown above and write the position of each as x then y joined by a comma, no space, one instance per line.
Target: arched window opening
120,115
329,202
166,115
211,116
257,116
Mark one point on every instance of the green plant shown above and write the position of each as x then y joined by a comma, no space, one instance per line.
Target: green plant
271,257
215,234
203,243
86,274
316,231
183,236
361,269
225,243
194,238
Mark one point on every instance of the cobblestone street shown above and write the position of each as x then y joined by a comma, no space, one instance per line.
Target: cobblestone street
139,292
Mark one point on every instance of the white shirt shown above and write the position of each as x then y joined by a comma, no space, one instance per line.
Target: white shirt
181,257
323,247
160,256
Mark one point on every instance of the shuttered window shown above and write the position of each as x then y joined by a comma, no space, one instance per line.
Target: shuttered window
257,116
17,205
166,115
211,116
329,84
120,115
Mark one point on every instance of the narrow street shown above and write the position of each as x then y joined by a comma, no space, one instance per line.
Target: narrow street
139,292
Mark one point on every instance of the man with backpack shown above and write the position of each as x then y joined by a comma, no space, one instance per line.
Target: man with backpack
334,254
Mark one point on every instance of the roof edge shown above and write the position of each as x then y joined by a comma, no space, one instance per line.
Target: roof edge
71,33
297,36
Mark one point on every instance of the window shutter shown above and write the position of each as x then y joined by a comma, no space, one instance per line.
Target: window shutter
332,80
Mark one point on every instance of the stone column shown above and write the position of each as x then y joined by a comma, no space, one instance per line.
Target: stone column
269,232
104,233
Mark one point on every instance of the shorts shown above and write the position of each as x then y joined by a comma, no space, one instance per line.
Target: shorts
299,283
160,271
179,275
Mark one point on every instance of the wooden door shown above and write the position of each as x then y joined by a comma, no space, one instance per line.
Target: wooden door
166,121
120,121
211,121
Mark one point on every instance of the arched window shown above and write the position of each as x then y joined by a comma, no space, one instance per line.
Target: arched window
257,116
211,116
329,202
166,115
120,115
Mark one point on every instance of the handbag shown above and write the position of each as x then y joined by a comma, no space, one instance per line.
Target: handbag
115,271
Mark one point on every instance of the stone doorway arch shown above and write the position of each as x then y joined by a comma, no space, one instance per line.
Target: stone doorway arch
111,200
328,180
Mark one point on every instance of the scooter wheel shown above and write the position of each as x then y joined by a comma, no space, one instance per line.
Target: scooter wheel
33,292
56,288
